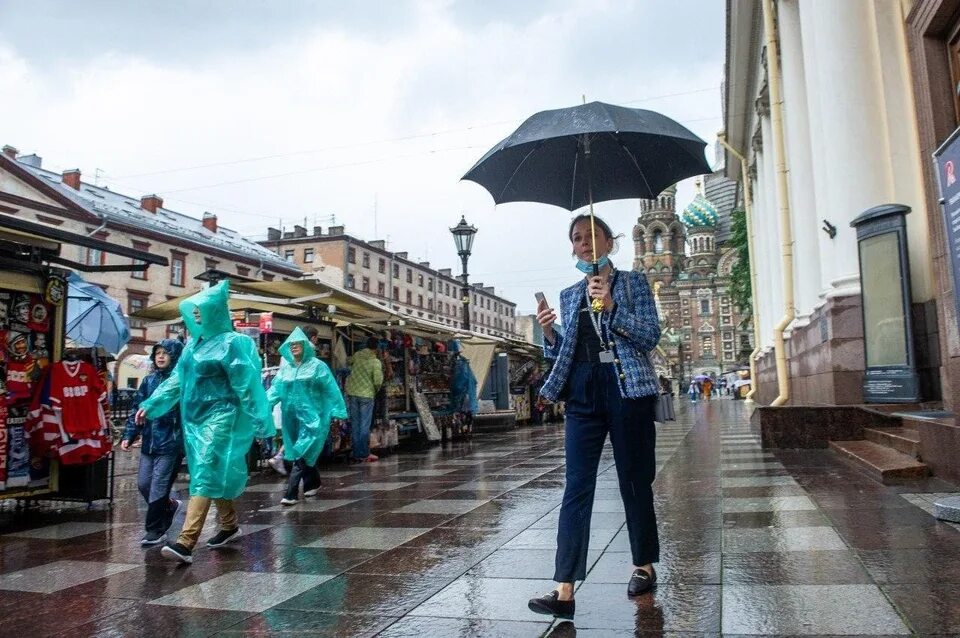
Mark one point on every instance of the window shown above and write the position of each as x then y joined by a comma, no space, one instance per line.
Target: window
268,276
351,255
211,264
429,304
396,271
366,260
396,292
308,255
657,242
365,285
289,254
351,282
706,346
448,290
381,288
243,271
135,303
177,268
704,306
409,298
420,280
145,247
92,256
474,316
382,266
409,276
430,284
447,307
420,300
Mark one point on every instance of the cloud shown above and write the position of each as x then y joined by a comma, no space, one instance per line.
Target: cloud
374,106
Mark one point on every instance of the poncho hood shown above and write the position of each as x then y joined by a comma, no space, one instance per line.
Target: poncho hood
213,304
297,336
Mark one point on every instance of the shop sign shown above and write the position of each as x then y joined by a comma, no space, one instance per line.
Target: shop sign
946,160
266,322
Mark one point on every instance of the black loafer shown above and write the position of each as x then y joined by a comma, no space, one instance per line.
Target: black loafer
551,605
641,582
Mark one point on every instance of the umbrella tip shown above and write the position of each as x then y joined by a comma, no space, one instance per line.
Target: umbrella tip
583,96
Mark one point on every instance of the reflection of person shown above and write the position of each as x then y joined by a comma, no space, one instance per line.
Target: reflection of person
161,450
605,376
309,397
366,377
223,406
463,385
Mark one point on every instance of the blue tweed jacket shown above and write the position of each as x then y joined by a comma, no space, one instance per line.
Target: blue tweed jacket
631,331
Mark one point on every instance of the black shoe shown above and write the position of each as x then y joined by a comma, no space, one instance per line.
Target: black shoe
223,537
641,582
551,605
176,551
152,538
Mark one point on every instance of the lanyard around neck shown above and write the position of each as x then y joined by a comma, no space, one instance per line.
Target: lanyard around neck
595,316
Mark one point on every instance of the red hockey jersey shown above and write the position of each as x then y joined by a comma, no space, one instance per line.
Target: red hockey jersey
78,395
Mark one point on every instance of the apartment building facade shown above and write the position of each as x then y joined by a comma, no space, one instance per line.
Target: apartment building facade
392,279
192,246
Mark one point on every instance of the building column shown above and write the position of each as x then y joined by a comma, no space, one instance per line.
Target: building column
855,172
771,228
803,206
763,296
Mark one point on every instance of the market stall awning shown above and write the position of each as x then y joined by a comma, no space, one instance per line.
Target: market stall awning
300,298
31,243
169,311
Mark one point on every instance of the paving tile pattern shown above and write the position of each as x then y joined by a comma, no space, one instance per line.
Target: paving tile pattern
453,540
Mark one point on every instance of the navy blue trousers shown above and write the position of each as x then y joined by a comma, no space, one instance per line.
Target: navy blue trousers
594,408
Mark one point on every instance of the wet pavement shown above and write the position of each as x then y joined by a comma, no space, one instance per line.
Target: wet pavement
452,541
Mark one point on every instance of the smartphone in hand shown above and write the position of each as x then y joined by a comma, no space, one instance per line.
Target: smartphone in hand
541,299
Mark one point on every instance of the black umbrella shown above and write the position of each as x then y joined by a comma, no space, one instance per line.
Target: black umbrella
595,152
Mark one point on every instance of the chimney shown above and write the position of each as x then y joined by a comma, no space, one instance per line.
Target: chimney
299,231
425,264
210,222
378,243
445,272
151,203
335,230
317,231
400,255
10,151
72,178
273,234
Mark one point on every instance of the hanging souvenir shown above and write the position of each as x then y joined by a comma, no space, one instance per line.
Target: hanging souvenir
55,287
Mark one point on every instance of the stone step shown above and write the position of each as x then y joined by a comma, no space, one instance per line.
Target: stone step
882,463
904,440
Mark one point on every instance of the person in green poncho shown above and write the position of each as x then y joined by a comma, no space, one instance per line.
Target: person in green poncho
309,398
223,407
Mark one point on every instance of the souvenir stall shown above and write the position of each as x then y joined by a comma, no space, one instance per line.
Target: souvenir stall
524,375
55,439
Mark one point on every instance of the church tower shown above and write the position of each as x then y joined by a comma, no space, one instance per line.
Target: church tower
700,217
659,238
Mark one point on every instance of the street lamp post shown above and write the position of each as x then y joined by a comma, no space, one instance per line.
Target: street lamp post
463,234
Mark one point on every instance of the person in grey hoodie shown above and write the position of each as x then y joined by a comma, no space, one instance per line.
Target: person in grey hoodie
161,449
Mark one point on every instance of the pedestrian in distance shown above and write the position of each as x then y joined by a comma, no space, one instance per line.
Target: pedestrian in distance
692,391
603,372
366,377
223,407
161,449
309,398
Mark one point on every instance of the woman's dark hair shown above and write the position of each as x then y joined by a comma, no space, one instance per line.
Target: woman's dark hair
602,225
372,343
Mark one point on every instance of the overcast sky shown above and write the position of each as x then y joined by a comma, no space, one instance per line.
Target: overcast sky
272,113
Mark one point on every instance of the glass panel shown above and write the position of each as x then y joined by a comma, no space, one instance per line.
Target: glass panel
883,319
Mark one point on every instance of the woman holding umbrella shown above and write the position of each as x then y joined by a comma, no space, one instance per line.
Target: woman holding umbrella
603,373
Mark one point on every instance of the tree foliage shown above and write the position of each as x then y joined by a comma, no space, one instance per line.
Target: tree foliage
740,289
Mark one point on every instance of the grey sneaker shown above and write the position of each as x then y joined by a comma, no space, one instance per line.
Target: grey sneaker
223,537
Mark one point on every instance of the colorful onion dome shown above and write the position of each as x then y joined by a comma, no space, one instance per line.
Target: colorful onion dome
699,212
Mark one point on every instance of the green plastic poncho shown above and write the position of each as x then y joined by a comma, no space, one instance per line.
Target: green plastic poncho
222,400
309,397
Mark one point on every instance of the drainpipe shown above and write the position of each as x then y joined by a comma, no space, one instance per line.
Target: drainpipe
775,83
748,210
103,224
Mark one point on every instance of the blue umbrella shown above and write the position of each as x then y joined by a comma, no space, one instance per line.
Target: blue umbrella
94,318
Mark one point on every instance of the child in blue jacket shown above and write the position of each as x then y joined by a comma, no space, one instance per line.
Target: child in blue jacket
161,449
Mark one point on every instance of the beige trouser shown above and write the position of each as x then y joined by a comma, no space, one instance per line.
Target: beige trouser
197,510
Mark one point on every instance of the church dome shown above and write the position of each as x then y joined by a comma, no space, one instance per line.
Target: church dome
699,212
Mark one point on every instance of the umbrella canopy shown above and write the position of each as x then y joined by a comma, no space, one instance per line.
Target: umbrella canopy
94,318
590,153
